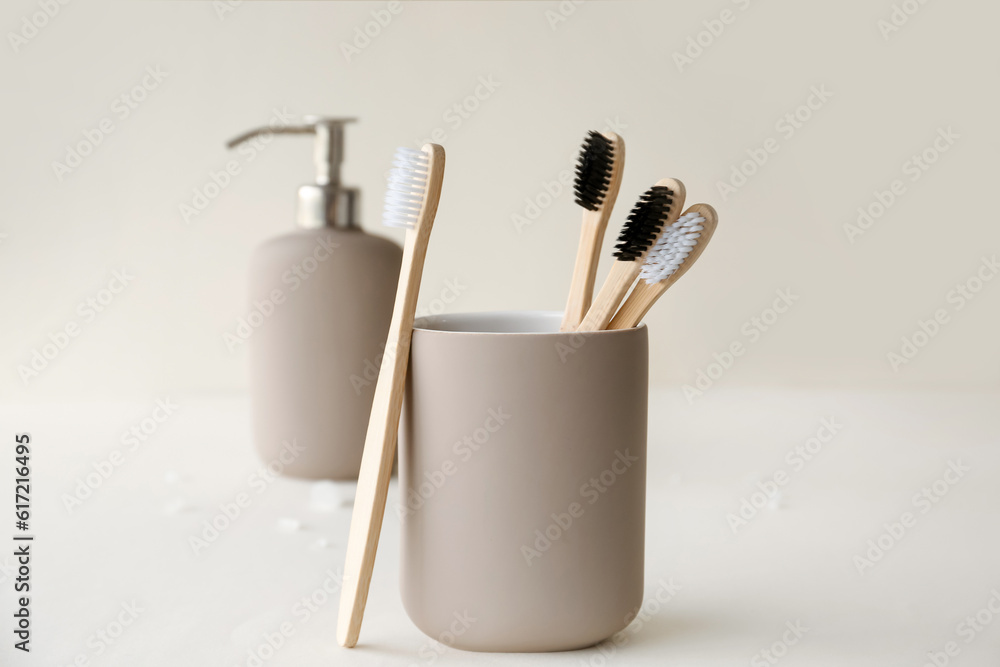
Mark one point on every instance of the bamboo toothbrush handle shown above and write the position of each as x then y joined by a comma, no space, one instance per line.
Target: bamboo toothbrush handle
376,461
383,425
622,275
588,256
637,304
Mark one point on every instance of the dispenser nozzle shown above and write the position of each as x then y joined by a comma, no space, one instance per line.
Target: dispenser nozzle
327,203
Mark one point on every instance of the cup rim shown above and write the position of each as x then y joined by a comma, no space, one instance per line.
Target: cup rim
434,324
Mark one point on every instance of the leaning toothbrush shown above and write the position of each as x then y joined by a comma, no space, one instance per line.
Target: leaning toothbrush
678,249
598,177
411,202
657,209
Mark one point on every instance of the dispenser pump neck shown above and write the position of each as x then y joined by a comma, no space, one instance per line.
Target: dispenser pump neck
329,152
327,202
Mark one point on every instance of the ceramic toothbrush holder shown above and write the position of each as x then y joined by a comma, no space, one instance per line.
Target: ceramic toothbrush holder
522,481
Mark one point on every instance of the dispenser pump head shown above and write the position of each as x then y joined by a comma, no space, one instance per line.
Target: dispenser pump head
325,203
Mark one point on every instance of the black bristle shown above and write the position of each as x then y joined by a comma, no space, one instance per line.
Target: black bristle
644,223
593,170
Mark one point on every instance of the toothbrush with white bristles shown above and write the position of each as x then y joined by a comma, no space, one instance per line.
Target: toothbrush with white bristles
675,252
658,208
411,202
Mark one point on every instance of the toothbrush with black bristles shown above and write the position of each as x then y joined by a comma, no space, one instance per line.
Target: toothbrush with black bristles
598,176
658,208
679,247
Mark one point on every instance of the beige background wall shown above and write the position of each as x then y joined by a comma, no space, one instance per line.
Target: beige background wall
557,69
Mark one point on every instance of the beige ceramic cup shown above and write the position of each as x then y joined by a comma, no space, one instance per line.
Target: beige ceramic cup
522,479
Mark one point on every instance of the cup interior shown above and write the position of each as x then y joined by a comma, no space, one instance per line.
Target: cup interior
495,322
501,322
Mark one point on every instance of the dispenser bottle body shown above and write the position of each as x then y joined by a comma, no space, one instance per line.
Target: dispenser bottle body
325,299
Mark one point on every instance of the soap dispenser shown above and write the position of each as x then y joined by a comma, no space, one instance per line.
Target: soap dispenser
323,295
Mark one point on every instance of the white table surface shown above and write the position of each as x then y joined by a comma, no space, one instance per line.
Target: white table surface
793,562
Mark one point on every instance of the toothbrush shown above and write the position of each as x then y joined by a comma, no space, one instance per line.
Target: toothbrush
679,247
658,208
598,176
411,202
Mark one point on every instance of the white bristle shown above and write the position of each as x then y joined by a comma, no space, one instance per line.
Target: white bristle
672,248
404,195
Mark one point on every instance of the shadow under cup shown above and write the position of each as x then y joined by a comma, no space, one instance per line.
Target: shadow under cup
523,481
